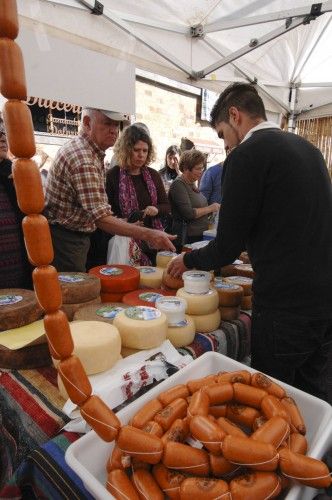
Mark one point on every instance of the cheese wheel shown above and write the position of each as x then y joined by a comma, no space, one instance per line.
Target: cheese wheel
17,116
244,257
169,282
150,277
38,240
244,270
78,287
205,303
28,186
196,281
58,335
246,303
206,323
245,283
229,295
18,307
13,84
141,327
111,297
101,418
174,308
98,312
183,334
145,297
117,278
228,270
47,288
164,257
229,313
75,379
254,485
127,351
8,19
96,344
71,309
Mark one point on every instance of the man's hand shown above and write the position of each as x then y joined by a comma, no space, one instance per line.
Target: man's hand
151,211
176,266
160,240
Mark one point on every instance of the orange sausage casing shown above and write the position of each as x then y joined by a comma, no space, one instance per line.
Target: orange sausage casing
178,431
208,433
253,454
196,384
242,376
13,84
146,485
17,116
119,484
168,480
255,485
186,459
8,19
101,418
75,380
304,469
199,404
58,335
203,489
248,395
28,186
230,428
137,443
118,460
179,391
47,288
220,466
219,393
146,413
242,415
273,431
153,428
218,411
294,413
263,382
176,409
272,407
38,240
298,443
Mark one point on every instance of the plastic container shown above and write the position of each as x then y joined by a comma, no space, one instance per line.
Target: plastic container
173,307
196,281
88,456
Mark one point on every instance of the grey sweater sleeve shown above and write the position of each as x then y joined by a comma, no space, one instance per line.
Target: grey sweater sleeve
180,201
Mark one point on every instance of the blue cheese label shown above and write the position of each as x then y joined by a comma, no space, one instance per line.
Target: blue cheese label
179,324
147,270
142,313
70,278
109,312
111,271
221,285
150,296
8,300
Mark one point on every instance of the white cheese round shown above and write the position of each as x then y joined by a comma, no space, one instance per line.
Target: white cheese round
196,281
173,307
182,334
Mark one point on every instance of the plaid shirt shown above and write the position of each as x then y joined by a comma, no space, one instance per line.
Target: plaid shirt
75,191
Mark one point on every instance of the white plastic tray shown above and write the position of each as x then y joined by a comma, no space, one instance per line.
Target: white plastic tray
88,455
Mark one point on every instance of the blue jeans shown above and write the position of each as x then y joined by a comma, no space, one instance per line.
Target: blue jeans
292,348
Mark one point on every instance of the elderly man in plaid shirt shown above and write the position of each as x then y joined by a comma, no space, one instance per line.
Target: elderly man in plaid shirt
76,201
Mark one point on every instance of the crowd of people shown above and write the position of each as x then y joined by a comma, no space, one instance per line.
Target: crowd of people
275,201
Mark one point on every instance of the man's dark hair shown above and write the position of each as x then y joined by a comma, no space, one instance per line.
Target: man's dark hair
242,96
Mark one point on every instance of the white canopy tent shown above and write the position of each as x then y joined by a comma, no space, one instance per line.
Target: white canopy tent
285,50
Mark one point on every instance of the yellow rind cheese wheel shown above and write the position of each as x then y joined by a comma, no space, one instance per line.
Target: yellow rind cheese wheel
204,303
150,277
180,336
206,323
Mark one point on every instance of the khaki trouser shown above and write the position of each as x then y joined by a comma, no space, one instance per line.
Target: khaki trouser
70,249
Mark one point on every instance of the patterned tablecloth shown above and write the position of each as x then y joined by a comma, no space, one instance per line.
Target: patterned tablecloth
31,418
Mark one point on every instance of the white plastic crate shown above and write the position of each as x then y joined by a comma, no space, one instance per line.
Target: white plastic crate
88,455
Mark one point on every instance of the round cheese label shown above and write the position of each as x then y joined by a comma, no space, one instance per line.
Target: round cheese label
196,275
229,286
171,304
8,300
111,271
149,296
147,270
166,253
73,278
179,324
142,313
109,312
239,279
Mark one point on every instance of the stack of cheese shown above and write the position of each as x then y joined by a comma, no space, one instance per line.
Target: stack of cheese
244,270
116,280
140,328
230,297
202,301
246,284
181,327
150,277
96,344
78,289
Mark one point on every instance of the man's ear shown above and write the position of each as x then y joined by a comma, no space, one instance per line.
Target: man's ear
87,122
234,115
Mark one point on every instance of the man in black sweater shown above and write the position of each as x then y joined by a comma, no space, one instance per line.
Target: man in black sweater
277,204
